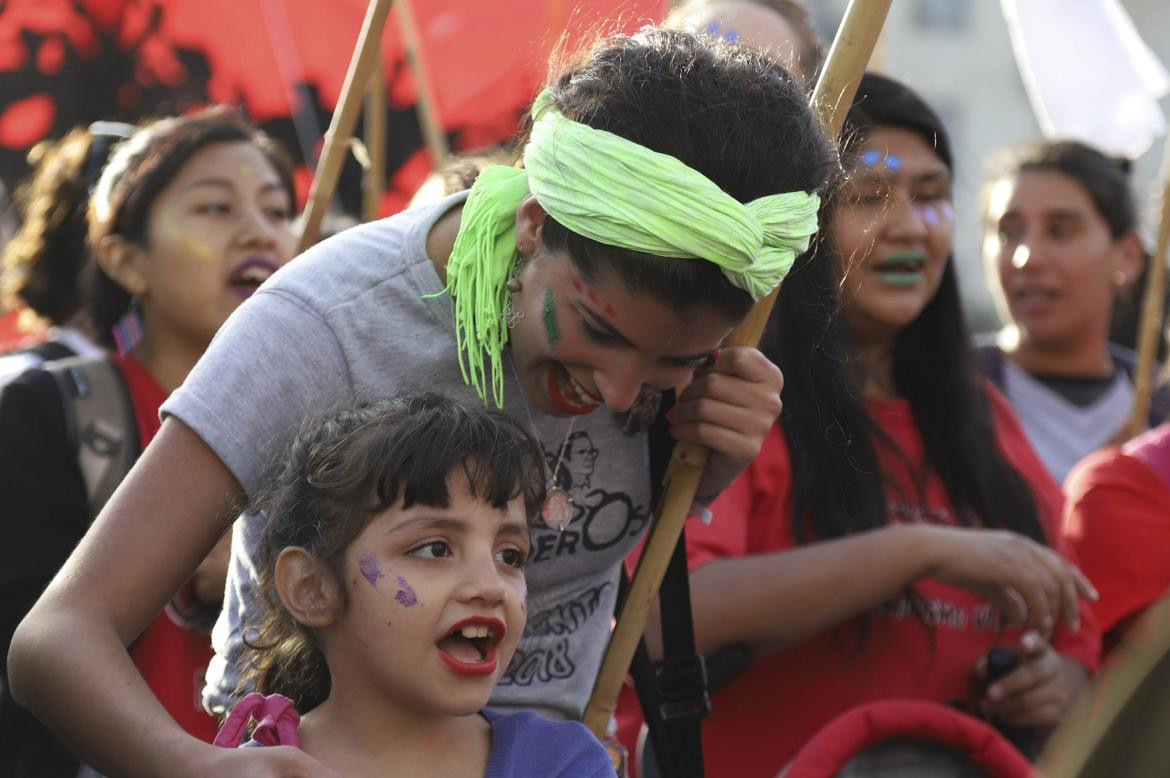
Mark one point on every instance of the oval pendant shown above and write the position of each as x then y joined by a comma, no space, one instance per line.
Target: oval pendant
558,509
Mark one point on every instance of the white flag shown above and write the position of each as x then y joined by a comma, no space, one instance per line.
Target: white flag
1088,74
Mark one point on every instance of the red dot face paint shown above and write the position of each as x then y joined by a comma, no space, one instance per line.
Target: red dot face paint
609,311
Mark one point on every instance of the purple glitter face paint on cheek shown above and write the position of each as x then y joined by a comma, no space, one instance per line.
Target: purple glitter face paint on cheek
928,214
524,598
370,570
406,595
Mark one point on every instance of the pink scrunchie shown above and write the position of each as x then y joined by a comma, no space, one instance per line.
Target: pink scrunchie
276,722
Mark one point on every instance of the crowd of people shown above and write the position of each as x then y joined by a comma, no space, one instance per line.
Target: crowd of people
370,513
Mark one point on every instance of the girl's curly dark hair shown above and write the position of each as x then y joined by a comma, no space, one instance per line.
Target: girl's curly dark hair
342,469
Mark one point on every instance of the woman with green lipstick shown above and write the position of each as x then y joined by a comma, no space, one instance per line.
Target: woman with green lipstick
896,524
653,206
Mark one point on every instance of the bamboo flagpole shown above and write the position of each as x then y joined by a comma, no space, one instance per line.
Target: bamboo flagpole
374,176
831,99
1150,332
340,130
428,112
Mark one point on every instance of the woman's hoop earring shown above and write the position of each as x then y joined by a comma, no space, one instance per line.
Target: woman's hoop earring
129,330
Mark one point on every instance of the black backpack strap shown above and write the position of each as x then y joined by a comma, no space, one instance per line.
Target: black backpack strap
673,692
99,423
50,350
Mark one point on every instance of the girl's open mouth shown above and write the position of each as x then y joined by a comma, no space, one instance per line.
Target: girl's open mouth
469,648
568,395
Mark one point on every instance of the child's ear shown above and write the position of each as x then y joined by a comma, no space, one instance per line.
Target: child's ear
124,262
306,587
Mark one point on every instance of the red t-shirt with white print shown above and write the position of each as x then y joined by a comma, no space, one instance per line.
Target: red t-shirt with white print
760,720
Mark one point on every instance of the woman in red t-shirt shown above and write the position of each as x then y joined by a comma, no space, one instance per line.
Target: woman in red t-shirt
896,524
1117,520
189,216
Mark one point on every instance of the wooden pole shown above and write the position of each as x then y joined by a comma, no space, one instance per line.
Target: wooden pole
428,112
830,101
1150,332
374,178
340,130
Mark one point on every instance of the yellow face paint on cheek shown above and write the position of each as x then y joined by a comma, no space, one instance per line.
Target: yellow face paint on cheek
198,248
176,231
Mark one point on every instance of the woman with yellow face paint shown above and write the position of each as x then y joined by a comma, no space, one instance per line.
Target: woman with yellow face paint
189,217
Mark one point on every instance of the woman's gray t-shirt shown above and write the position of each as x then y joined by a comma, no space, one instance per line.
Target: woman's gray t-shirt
350,321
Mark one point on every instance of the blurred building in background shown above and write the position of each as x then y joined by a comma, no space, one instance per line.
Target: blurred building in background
957,54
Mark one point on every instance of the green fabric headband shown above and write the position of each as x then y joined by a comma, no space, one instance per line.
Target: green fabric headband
616,192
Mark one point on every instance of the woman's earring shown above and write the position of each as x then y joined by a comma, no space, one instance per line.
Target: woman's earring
511,314
128,332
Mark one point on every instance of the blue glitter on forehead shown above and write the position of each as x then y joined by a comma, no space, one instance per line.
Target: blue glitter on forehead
731,36
712,28
873,157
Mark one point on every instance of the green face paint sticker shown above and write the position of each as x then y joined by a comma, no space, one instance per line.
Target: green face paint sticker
551,328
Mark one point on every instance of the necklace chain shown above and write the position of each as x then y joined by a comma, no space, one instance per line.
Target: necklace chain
557,500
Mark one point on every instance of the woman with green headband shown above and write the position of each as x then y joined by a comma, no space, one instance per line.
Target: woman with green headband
667,183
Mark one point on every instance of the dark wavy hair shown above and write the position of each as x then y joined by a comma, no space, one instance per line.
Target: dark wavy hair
836,476
734,116
43,263
342,469
138,170
1104,178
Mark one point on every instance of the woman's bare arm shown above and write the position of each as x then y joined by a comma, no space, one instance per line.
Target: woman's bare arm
68,662
771,601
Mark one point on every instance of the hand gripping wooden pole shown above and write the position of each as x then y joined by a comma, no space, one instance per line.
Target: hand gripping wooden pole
349,104
830,101
1150,332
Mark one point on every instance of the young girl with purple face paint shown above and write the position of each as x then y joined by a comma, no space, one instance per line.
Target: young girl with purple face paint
393,566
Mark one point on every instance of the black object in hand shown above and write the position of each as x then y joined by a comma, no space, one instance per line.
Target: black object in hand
1002,660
